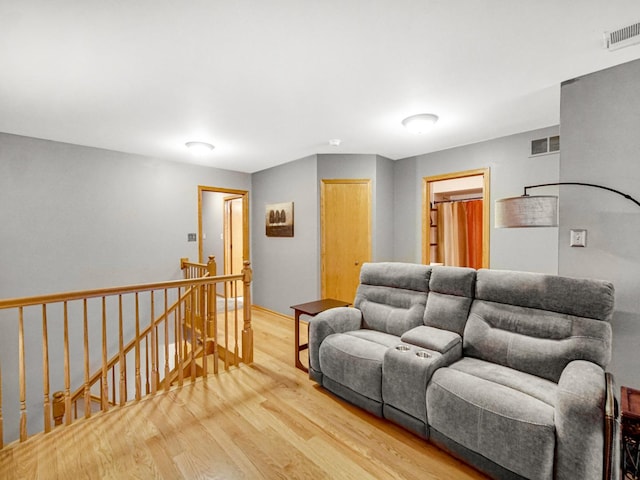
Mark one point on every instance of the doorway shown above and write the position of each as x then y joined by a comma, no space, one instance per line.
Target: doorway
233,237
455,219
223,228
345,224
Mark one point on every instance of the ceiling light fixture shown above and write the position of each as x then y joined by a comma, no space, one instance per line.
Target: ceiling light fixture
199,148
335,142
420,123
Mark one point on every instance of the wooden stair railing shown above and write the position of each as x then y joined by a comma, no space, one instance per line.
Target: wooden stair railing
177,330
119,358
198,270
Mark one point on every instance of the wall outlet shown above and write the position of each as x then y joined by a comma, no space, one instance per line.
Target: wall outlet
191,237
578,238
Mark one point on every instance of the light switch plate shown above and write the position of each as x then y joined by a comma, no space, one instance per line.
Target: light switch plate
578,238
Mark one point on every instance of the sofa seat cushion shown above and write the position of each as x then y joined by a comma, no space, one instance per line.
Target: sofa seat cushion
375,336
539,388
354,360
504,424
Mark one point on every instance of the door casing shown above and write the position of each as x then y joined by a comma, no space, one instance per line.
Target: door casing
486,210
244,194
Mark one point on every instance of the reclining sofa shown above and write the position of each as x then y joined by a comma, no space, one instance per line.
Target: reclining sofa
505,370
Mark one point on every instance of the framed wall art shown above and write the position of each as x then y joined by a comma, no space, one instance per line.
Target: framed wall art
279,220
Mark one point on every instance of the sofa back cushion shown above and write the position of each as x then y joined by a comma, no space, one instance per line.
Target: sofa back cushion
392,296
451,291
539,323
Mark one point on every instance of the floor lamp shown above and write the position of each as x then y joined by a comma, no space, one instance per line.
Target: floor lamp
537,210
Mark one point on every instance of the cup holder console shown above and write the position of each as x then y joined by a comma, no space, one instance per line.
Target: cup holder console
419,353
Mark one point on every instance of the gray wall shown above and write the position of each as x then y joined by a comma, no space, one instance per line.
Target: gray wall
286,270
75,218
384,192
512,168
407,202
600,121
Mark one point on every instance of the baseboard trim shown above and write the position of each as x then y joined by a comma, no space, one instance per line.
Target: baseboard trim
271,312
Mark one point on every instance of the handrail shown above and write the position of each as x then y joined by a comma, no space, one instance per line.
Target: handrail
106,292
179,325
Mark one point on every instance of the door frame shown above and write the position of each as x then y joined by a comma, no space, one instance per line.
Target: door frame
486,210
245,218
324,182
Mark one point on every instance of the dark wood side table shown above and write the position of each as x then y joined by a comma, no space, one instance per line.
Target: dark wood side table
630,433
311,309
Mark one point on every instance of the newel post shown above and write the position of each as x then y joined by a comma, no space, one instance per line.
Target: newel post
58,408
212,268
183,266
247,331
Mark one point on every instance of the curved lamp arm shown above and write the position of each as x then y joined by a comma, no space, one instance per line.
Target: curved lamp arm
628,197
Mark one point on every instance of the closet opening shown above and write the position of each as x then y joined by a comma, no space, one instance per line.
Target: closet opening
456,219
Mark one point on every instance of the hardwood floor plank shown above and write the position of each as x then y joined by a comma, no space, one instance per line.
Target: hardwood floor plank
266,420
163,457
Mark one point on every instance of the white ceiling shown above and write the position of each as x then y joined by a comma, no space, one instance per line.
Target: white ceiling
270,81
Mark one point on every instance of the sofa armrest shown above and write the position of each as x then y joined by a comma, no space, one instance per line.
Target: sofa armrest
432,338
579,419
448,344
334,320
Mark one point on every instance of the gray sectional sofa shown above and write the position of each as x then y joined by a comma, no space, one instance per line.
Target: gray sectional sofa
505,370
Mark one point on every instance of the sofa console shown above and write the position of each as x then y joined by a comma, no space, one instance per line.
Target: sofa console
505,370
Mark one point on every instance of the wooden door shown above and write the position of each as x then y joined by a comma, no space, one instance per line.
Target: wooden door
233,240
346,235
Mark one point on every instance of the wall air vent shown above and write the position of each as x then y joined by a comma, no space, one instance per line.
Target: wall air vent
623,37
543,146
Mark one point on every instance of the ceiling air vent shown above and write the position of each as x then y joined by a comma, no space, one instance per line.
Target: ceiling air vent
623,37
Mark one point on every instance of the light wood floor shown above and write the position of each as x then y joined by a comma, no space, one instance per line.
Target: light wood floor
267,420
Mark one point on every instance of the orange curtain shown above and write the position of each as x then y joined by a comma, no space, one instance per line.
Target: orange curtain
474,233
460,234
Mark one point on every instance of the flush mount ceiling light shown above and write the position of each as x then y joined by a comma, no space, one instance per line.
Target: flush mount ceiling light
420,123
199,148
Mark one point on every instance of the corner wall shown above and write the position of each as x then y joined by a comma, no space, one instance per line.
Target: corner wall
286,270
385,196
600,144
